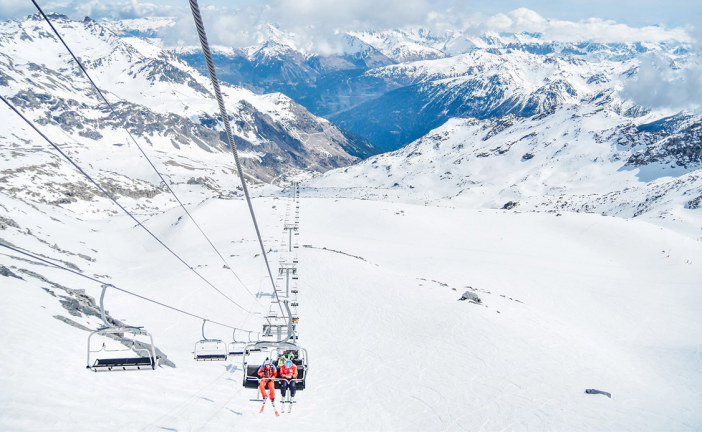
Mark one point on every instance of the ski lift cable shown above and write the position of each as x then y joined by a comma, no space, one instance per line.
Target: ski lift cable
163,180
49,262
225,119
114,200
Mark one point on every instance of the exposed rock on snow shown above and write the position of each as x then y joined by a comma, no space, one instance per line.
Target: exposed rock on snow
595,391
471,296
4,271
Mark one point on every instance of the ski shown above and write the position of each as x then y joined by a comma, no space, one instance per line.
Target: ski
275,410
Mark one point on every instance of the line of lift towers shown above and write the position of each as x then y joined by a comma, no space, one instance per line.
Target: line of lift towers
126,348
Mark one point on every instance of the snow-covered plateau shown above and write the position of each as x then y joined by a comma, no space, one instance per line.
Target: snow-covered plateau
483,277
568,303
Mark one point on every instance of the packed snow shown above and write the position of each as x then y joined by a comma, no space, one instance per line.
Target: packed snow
568,303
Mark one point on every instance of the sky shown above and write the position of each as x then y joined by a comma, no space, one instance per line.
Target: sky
315,23
636,13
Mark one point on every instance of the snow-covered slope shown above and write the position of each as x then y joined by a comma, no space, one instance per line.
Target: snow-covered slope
568,303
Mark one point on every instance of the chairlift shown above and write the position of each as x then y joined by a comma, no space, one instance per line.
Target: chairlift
237,347
123,348
210,349
255,354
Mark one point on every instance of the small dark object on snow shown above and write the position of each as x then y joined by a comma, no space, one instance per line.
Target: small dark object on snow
470,296
595,391
509,205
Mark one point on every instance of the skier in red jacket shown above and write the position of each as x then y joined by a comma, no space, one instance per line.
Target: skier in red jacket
267,370
289,372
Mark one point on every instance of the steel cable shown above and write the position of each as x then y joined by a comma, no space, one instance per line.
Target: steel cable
114,200
163,180
46,261
225,119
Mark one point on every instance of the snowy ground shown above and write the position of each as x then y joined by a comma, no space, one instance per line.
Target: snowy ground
569,302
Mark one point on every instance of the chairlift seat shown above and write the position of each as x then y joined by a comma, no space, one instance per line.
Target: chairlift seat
211,350
251,378
281,349
211,357
128,363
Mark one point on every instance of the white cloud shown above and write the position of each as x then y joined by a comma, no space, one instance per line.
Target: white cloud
316,24
591,29
120,9
659,85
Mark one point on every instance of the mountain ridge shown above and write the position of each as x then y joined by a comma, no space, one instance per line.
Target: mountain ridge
159,99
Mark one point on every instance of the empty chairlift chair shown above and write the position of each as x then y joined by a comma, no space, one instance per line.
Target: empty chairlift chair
237,347
210,349
121,348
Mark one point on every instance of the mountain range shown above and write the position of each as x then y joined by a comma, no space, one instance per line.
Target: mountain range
499,120
496,120
393,87
160,100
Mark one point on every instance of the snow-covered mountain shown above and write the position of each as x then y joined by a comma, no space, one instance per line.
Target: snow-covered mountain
500,78
163,102
511,120
583,158
394,86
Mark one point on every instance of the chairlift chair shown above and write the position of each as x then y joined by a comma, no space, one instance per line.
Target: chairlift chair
237,347
255,354
118,351
210,349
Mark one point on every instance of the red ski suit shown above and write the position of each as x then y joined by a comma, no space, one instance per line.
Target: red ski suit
263,372
288,373
291,374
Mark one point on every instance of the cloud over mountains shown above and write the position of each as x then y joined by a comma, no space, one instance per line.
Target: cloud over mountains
315,24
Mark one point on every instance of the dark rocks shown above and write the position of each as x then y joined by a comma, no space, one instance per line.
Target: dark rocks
509,205
203,181
694,203
595,391
471,297
71,323
679,147
4,271
7,222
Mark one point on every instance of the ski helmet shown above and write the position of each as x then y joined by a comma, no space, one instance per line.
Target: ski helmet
288,364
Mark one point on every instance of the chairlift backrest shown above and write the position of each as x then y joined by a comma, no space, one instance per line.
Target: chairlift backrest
135,354
210,349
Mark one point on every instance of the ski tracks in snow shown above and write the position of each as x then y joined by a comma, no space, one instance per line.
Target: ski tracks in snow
198,410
